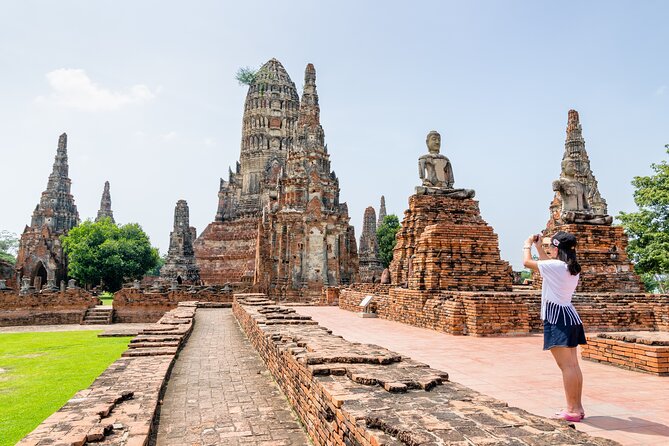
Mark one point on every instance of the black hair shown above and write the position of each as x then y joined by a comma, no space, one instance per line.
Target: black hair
566,245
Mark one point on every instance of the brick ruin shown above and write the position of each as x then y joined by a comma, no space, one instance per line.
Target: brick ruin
279,225
105,210
371,267
40,259
49,307
602,247
382,211
180,264
444,243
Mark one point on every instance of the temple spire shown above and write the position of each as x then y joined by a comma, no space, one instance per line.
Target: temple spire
309,121
105,205
575,150
56,208
382,211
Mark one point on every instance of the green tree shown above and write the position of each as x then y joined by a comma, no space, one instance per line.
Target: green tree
155,271
648,229
246,76
8,246
385,236
104,253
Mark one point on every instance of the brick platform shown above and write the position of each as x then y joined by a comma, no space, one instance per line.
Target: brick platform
506,313
133,305
601,252
641,351
45,308
360,394
444,244
118,408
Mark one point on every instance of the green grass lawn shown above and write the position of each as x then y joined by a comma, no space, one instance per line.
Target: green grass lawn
107,300
39,372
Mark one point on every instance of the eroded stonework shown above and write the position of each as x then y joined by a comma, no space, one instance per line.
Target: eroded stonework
579,208
371,267
279,224
180,263
105,210
305,241
40,258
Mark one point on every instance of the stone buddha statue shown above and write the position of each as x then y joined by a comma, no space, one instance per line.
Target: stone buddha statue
436,173
574,197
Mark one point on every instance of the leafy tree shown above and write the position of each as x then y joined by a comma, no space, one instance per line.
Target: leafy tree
104,253
155,271
648,229
385,236
8,246
246,76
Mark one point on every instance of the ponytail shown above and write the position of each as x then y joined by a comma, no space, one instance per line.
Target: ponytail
566,246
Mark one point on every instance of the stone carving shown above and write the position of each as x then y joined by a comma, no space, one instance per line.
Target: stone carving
105,205
71,284
385,277
3,284
574,198
25,284
578,208
40,250
577,184
180,263
436,172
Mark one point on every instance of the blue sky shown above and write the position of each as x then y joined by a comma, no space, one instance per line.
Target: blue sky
146,92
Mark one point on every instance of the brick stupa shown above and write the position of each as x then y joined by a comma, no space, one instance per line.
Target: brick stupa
41,259
180,263
443,243
305,241
601,246
371,266
280,226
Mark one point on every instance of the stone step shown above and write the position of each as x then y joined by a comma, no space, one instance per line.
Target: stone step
156,338
150,351
153,344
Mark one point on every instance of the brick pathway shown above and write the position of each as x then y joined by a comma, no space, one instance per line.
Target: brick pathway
626,406
221,393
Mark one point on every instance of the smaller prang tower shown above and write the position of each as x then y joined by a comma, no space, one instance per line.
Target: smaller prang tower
180,262
40,257
579,208
371,267
105,210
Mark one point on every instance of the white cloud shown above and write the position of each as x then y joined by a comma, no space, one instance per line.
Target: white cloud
72,88
660,91
209,142
169,136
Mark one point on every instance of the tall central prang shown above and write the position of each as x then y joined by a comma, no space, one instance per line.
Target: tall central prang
279,224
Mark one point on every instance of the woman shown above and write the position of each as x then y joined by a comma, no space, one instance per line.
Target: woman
563,329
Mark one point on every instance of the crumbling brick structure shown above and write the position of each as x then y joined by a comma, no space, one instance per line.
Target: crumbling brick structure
371,267
444,244
180,264
40,258
601,247
280,225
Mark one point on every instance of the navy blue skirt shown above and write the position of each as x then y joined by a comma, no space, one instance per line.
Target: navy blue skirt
561,335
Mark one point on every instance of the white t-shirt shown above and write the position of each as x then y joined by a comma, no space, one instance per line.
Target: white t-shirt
557,288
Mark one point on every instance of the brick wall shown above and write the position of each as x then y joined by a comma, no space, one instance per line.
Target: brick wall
45,308
133,305
507,313
363,395
634,352
119,406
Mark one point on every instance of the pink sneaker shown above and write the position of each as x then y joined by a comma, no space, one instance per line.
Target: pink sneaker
573,418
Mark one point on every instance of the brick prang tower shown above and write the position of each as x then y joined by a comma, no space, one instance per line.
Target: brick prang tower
40,257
